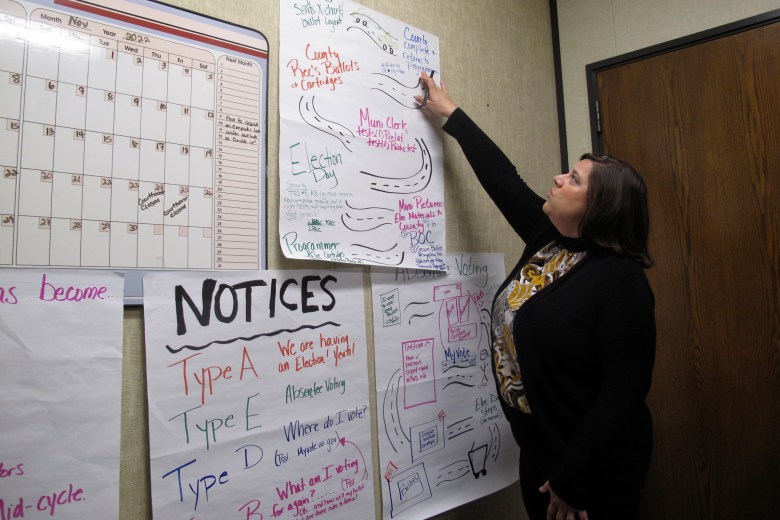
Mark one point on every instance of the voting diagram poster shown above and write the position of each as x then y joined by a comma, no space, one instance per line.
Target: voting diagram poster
60,386
443,438
258,395
360,164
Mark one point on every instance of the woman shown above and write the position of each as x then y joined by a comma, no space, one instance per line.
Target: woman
573,327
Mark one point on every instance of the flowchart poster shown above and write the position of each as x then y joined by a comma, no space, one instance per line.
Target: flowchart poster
360,166
443,439
60,386
258,395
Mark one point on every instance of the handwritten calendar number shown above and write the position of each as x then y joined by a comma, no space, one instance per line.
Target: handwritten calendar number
79,135
46,176
76,180
109,96
133,185
81,91
135,37
51,86
159,187
105,226
105,182
136,101
10,172
132,229
184,190
208,192
75,225
8,221
15,79
44,223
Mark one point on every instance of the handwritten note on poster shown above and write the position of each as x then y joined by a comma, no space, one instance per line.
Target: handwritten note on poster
258,395
60,385
360,166
443,439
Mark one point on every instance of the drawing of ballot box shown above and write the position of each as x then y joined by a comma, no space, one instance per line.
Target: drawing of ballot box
477,459
408,488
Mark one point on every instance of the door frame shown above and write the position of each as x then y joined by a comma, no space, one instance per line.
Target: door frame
592,69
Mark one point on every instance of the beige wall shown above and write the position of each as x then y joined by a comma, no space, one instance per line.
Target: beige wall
497,63
595,30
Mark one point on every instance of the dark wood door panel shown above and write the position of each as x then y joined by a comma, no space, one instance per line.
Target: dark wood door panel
702,124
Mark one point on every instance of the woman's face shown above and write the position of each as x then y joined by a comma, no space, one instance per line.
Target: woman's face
568,199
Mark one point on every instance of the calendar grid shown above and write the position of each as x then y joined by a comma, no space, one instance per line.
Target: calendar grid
130,150
12,69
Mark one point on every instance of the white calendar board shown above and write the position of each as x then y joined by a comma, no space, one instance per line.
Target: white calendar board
132,137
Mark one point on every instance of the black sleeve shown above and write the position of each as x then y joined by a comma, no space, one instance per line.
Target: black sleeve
521,207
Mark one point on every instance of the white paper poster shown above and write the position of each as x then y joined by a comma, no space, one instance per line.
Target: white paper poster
360,165
258,395
60,388
443,439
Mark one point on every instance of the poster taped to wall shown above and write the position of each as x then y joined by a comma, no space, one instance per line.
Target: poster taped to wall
258,395
60,386
360,164
443,439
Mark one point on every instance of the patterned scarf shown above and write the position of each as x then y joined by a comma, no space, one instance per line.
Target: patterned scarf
546,266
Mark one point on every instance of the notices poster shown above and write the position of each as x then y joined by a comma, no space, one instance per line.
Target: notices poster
360,165
60,386
443,439
258,395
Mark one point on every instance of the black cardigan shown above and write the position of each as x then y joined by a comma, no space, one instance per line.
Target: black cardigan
585,345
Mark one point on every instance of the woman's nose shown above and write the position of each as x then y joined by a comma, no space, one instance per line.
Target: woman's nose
558,179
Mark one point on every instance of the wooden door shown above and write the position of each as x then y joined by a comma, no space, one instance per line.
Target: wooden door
702,124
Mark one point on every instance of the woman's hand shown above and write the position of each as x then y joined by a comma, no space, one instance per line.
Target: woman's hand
438,101
560,510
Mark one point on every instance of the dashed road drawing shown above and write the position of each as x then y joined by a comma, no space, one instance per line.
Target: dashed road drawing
312,118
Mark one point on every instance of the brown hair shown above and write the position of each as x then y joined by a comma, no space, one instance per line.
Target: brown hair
616,220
